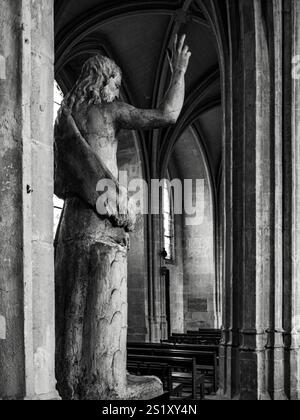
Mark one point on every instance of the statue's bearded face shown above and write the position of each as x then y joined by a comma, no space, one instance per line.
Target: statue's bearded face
111,91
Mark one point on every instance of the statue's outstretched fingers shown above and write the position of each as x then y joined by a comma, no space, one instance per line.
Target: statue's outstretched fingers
185,49
175,45
181,43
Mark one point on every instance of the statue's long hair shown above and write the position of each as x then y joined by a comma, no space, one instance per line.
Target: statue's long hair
90,86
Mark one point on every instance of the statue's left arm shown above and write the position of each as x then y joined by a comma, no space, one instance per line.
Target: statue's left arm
129,117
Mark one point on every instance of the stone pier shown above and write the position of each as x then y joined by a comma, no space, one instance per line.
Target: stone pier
26,189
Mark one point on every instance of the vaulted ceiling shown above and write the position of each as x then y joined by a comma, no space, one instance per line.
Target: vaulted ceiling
136,34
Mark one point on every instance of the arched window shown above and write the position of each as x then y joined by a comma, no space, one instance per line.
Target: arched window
168,222
57,203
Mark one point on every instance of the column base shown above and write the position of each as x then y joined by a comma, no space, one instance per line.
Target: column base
155,331
264,396
295,396
280,396
52,396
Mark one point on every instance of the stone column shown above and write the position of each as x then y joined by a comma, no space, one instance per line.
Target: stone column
12,373
155,319
262,179
254,291
26,169
248,212
295,286
164,321
233,189
275,346
156,322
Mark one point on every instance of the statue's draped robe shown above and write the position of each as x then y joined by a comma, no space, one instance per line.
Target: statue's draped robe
90,280
91,305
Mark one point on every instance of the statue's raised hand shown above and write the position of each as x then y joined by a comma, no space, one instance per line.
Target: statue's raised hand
181,55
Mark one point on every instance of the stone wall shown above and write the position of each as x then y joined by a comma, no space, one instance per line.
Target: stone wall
12,369
193,271
26,213
199,268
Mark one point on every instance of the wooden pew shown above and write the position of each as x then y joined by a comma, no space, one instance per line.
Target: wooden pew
149,345
193,340
176,393
209,329
207,362
206,333
166,344
197,347
216,334
188,375
160,369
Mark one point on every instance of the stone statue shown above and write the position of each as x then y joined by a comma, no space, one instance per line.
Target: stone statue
91,249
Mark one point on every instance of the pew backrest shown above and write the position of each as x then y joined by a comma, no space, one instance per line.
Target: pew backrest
175,363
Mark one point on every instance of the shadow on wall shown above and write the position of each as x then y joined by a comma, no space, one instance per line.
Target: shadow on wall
129,160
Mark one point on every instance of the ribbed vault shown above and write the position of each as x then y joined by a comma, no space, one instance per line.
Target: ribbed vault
136,35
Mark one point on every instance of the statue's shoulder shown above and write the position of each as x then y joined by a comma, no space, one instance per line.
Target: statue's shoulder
115,105
119,108
113,109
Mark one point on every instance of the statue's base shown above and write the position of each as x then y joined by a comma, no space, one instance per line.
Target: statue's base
53,396
143,388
